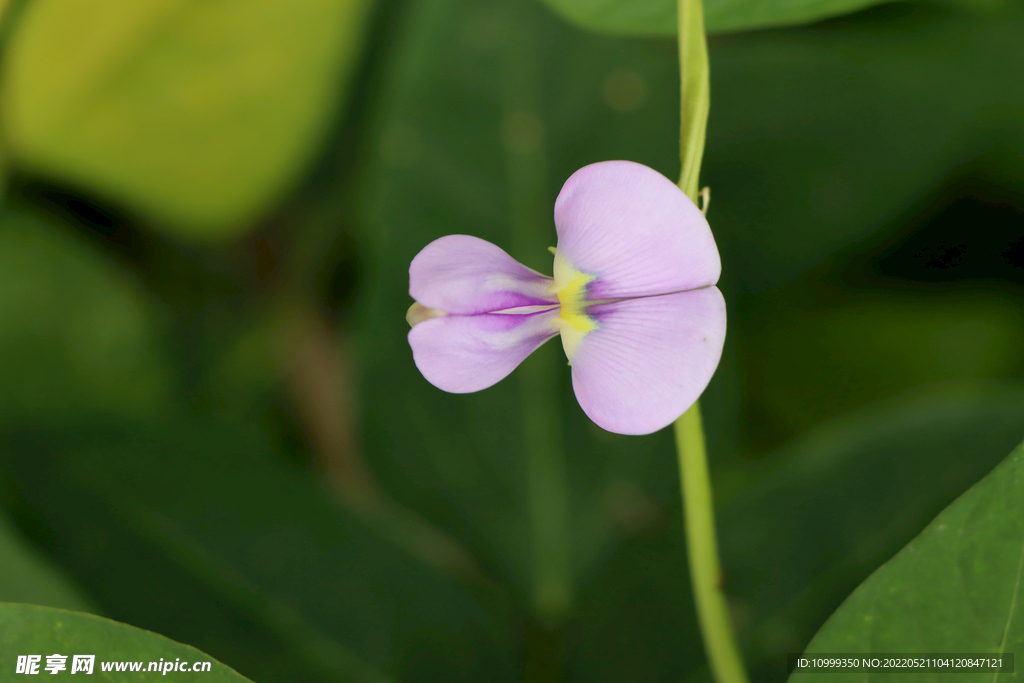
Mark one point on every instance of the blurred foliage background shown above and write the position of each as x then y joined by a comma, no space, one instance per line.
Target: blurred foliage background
210,423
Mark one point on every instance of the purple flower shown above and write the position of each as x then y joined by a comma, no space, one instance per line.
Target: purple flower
633,298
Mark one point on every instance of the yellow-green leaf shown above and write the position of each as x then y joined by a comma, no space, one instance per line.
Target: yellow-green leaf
197,115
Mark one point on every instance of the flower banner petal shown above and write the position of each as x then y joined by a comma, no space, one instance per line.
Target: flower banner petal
634,231
465,353
649,359
467,275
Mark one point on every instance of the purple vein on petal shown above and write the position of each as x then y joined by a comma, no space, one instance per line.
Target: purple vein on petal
464,353
466,275
635,231
649,359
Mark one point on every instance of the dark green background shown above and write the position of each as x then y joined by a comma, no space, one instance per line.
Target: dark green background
186,431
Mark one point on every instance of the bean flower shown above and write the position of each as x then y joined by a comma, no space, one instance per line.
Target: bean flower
633,298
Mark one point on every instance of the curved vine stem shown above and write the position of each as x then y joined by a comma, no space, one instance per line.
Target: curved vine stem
693,115
702,551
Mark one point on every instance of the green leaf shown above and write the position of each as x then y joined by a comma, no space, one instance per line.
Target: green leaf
25,576
199,115
650,17
957,587
658,17
744,15
44,631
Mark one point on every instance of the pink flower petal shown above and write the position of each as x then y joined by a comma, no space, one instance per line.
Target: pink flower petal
649,360
634,230
467,275
464,353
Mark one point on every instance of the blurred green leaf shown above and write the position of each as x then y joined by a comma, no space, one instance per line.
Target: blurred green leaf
199,115
33,630
649,17
78,338
27,577
658,17
823,138
813,363
954,588
744,15
197,532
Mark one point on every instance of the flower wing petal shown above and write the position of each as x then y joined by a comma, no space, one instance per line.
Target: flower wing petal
633,230
467,275
464,353
649,360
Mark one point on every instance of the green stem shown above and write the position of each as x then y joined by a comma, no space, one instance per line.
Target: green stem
702,551
693,114
698,507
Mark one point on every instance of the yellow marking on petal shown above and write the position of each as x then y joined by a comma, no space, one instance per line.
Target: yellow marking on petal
418,313
572,331
573,323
